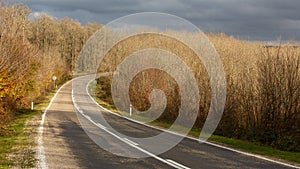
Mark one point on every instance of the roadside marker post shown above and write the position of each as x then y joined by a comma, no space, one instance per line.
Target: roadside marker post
54,79
130,110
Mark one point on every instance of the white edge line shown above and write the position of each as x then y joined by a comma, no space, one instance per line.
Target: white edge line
41,151
191,138
178,164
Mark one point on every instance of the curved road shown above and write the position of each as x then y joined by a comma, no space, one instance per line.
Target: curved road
66,144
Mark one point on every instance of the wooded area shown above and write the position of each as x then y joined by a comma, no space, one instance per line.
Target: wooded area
32,50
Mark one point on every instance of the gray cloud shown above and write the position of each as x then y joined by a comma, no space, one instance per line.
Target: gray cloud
251,19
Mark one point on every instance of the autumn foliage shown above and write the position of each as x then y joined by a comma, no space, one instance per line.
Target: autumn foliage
32,50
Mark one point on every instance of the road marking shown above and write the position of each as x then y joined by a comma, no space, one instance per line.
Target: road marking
178,164
41,150
130,142
101,126
88,117
249,154
191,138
76,106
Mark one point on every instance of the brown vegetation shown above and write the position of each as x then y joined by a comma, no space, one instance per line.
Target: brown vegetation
263,94
31,52
262,87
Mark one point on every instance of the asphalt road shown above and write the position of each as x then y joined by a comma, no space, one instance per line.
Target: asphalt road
68,140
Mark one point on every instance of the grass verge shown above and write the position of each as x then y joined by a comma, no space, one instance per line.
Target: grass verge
15,146
17,140
255,148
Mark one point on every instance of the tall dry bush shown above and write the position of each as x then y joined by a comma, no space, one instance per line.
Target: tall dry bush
262,101
148,80
279,97
239,60
262,92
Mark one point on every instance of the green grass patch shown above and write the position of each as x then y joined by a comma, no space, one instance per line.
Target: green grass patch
14,142
17,138
245,146
257,149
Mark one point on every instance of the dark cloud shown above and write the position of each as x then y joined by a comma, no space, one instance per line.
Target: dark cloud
250,19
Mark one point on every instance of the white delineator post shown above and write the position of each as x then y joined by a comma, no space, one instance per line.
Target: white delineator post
54,79
130,110
31,105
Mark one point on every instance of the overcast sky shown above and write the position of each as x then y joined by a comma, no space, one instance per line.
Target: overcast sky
246,19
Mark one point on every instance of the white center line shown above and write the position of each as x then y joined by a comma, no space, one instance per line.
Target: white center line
101,126
131,142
